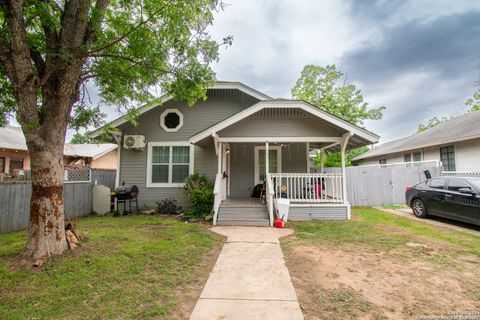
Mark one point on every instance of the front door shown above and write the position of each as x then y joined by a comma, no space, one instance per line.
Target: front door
274,159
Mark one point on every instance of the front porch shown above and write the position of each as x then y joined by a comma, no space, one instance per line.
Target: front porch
267,146
251,177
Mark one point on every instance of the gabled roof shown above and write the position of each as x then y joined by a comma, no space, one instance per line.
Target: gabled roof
284,103
13,138
461,128
218,85
89,150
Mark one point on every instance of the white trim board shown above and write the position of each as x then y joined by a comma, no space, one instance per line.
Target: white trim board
280,139
284,104
167,112
218,85
148,182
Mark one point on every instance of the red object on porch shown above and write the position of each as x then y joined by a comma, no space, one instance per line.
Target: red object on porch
279,223
318,190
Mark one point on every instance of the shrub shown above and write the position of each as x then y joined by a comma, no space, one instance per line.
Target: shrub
168,206
200,191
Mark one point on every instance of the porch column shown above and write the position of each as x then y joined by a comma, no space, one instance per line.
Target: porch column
307,146
267,165
343,145
322,153
220,152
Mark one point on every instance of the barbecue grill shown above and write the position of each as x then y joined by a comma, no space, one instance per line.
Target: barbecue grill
124,194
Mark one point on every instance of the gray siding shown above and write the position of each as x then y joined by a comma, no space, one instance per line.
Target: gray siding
308,126
133,164
242,164
318,213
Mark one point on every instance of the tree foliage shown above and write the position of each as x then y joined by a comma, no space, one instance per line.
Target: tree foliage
130,51
334,159
79,138
327,88
432,122
473,104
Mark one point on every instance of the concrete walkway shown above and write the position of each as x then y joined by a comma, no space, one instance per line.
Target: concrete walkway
250,279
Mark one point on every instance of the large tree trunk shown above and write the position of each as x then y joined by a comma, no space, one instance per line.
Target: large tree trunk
46,84
46,227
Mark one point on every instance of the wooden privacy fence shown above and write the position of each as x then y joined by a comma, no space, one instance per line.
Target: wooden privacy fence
382,185
15,199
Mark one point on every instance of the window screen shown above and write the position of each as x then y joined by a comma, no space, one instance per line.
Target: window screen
447,156
160,164
16,164
180,163
272,166
170,164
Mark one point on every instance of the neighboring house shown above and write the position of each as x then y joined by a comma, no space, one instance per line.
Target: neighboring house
235,137
14,153
95,156
455,143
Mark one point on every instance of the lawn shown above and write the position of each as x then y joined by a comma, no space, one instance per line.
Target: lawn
382,266
134,267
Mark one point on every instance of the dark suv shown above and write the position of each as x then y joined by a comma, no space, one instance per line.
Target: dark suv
456,198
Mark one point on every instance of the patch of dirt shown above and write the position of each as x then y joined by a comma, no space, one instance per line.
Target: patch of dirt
352,283
188,295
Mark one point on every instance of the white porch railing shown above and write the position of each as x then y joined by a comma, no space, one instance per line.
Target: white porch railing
270,194
218,196
308,187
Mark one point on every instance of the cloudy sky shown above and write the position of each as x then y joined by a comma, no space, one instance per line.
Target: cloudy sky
418,58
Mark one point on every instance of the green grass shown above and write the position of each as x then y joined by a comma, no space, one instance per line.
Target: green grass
132,267
380,230
396,206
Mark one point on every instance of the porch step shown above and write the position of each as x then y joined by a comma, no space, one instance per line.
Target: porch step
243,222
228,210
243,215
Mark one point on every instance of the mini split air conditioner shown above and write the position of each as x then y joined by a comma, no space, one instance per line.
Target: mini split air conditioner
135,142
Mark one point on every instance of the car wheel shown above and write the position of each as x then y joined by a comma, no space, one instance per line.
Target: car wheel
419,209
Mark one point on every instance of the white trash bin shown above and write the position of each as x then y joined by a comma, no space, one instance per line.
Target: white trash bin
101,199
283,206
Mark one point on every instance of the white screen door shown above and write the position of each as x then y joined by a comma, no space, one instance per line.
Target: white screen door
274,159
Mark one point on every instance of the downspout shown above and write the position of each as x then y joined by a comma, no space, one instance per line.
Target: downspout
118,139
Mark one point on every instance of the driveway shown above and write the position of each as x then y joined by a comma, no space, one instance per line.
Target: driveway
250,279
437,221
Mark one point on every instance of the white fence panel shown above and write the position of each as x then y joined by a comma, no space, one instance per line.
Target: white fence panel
383,185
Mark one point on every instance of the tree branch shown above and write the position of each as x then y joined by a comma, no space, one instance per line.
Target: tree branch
121,38
96,21
38,61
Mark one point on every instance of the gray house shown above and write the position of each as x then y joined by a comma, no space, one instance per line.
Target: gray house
239,138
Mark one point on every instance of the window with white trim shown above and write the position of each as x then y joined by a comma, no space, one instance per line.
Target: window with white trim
171,120
168,164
